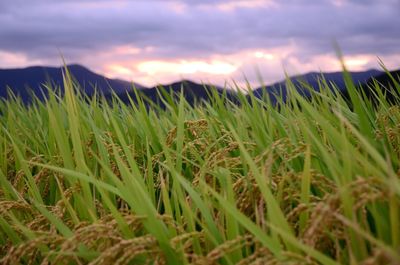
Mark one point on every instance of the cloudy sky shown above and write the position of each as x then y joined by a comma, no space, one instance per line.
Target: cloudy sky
154,41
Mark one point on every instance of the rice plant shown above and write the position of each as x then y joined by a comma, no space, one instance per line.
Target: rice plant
313,181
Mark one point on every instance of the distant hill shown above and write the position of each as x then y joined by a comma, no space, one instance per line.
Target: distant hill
193,92
23,81
279,89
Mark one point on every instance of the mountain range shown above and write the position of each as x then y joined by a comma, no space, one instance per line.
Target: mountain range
313,79
25,81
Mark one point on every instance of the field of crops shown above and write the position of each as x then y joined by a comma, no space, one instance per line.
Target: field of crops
309,182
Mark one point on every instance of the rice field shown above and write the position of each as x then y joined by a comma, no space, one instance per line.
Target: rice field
317,181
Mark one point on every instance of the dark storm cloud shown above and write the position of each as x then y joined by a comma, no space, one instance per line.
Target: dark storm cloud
197,28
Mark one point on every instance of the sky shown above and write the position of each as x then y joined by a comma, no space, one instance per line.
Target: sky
211,41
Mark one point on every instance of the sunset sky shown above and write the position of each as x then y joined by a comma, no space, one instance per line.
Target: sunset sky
152,42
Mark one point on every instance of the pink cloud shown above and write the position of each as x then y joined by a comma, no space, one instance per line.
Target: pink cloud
16,60
253,65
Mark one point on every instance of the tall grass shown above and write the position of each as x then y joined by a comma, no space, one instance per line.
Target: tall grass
311,182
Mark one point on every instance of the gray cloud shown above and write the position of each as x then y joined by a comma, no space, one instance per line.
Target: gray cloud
39,28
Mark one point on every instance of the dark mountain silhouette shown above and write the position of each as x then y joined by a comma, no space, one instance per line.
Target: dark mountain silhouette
193,92
313,79
24,81
31,79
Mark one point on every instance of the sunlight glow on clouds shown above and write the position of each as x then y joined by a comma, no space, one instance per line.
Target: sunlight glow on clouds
117,70
186,67
357,62
263,55
219,69
158,71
